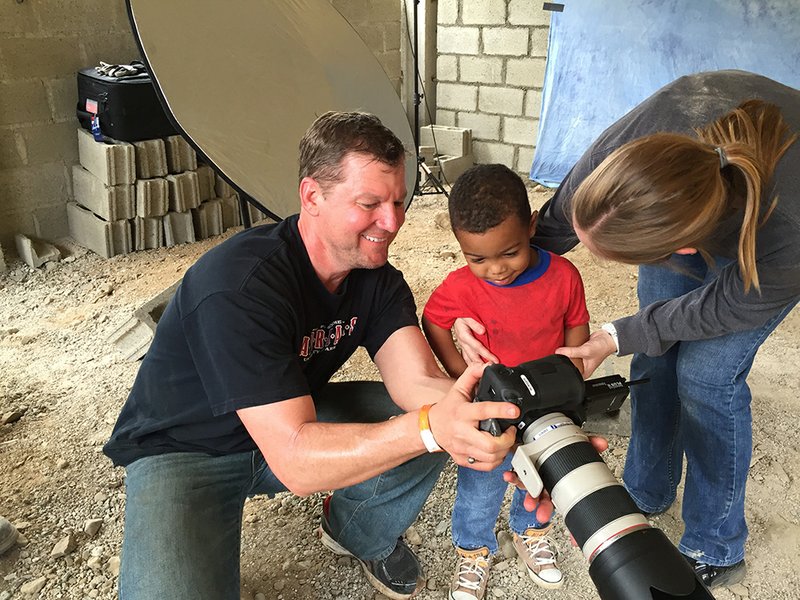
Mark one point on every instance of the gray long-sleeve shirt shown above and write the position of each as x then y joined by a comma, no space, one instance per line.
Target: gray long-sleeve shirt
722,306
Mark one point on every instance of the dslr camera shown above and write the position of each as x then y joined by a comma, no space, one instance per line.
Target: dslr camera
628,558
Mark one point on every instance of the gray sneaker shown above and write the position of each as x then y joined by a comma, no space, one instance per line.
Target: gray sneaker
540,555
472,574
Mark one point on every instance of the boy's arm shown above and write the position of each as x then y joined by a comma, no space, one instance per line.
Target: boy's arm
443,346
576,336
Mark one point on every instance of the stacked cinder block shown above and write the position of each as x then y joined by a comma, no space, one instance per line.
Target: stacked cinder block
146,195
103,188
449,150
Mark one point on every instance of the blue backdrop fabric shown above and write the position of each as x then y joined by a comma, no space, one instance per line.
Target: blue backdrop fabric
606,57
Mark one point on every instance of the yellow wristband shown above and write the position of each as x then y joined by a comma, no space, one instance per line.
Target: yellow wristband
425,430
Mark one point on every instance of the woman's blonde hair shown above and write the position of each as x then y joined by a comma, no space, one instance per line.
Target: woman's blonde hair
666,191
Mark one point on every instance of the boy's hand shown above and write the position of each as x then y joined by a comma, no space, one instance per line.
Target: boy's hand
454,423
474,353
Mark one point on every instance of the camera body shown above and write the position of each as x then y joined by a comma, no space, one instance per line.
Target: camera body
628,558
549,384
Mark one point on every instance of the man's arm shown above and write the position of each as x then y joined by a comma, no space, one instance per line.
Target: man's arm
308,456
443,346
413,379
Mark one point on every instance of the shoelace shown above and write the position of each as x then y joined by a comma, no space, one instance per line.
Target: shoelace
471,566
540,548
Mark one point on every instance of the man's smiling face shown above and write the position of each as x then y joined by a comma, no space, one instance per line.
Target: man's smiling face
361,215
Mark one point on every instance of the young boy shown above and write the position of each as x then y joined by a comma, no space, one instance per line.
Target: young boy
531,302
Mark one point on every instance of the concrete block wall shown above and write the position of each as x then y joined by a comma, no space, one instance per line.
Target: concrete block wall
490,71
42,45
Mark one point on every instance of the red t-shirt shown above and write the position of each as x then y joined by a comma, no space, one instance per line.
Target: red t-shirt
525,320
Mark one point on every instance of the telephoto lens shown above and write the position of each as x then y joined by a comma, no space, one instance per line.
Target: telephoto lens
628,558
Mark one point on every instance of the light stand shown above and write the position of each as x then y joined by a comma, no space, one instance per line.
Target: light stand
431,184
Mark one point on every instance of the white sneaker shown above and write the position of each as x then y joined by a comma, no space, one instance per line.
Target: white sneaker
539,554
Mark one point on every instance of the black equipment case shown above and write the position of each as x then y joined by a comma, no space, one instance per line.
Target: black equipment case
128,107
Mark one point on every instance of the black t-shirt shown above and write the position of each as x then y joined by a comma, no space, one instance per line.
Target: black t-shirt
250,324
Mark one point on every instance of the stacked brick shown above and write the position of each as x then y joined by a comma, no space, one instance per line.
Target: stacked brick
148,194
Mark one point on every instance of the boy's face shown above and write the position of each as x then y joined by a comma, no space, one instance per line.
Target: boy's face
502,253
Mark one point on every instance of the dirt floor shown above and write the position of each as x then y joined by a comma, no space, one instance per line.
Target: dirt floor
66,383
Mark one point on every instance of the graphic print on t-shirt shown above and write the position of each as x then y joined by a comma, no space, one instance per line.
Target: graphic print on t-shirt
326,337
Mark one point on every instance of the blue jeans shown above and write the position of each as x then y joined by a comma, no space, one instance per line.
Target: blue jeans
698,404
479,496
183,515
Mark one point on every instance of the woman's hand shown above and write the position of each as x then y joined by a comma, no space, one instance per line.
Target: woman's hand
472,350
594,351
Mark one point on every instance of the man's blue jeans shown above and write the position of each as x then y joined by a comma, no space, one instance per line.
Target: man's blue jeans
183,515
479,496
698,404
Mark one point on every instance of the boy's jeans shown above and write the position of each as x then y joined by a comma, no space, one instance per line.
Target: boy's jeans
183,514
697,403
479,496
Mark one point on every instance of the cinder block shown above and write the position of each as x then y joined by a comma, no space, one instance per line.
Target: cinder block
180,155
106,238
231,217
111,202
453,141
206,179
178,228
113,162
256,216
453,166
134,337
184,191
36,252
222,188
151,159
207,219
152,197
427,154
148,232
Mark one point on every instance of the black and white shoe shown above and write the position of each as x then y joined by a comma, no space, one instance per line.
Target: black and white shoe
715,576
398,576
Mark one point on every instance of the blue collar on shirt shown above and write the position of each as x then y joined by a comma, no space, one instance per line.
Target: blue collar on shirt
531,273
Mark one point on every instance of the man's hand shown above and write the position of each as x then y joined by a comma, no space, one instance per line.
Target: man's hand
543,505
454,423
472,350
597,348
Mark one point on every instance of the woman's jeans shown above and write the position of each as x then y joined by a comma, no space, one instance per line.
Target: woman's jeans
183,515
698,404
479,496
